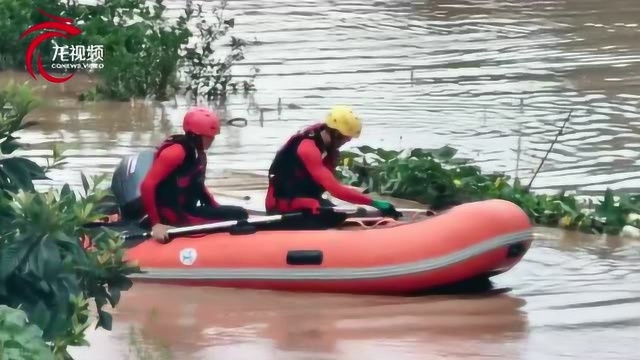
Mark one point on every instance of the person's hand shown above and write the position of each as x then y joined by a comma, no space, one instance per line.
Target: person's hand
159,233
386,208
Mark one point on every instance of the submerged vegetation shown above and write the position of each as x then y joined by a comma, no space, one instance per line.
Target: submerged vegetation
50,274
435,177
145,52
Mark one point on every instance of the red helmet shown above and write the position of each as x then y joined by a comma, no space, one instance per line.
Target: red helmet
201,121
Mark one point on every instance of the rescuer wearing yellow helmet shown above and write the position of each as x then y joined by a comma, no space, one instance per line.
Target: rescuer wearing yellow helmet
303,168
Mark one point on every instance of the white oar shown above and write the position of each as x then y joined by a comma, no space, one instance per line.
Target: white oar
207,228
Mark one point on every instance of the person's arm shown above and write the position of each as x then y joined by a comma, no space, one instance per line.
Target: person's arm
312,159
169,159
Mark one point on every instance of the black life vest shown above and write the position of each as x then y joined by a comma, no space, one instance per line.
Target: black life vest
288,176
182,189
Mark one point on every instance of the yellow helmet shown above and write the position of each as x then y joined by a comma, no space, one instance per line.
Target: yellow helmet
344,121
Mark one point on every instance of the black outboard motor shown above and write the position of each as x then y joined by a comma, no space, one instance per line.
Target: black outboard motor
126,181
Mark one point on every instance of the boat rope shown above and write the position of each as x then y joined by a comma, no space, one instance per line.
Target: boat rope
367,222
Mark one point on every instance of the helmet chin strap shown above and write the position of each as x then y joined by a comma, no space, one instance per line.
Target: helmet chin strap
196,139
331,136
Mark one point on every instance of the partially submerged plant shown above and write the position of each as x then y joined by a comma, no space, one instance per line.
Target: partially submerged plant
208,75
436,178
143,49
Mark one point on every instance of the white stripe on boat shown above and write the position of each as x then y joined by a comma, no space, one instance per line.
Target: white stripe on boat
300,272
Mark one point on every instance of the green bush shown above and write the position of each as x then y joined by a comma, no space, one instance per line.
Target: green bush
145,52
16,173
47,266
20,340
436,178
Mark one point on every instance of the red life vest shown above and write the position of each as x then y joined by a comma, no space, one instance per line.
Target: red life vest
181,190
288,176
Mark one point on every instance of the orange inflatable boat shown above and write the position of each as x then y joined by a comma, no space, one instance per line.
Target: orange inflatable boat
473,240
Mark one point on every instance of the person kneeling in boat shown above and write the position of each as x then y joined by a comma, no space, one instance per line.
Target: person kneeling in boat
303,168
175,183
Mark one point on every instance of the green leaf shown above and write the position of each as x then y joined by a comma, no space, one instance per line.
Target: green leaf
66,194
19,340
104,320
9,145
114,296
64,238
56,152
81,342
387,155
11,259
122,282
37,259
71,283
608,204
445,153
52,261
566,208
365,149
12,317
85,184
19,176
100,296
40,315
10,353
35,170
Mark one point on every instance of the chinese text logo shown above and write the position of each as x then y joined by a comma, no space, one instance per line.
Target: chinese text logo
70,57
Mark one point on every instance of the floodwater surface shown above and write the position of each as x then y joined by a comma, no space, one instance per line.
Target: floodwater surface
571,297
493,79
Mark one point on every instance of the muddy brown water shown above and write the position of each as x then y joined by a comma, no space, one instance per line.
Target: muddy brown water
486,77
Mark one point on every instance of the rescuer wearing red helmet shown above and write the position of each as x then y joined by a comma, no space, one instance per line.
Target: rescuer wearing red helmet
175,183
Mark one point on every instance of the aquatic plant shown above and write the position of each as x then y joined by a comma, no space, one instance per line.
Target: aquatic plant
207,75
145,53
48,267
435,177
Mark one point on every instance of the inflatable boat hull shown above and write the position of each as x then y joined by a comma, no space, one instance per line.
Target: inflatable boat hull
474,240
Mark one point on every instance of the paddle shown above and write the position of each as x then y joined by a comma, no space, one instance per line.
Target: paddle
208,228
357,212
326,218
330,216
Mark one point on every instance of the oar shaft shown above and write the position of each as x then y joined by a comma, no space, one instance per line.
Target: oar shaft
366,209
200,229
205,228
221,225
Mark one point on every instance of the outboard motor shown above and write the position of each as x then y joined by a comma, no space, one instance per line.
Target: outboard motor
126,181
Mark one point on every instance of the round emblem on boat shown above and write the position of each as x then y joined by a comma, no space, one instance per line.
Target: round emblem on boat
188,256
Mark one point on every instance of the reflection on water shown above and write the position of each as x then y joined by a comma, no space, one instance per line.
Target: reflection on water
477,75
209,323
